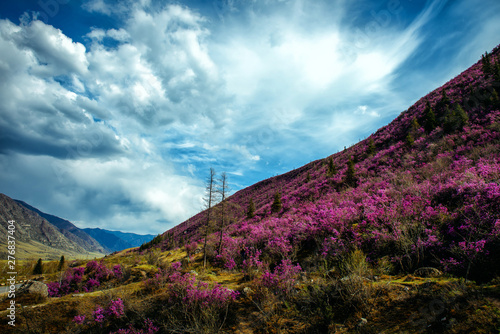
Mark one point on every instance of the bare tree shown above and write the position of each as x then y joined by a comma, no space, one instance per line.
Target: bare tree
222,190
209,202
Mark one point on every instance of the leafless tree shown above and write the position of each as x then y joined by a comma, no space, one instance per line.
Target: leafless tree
209,203
222,191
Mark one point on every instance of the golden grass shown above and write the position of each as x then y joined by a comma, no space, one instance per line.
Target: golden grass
36,250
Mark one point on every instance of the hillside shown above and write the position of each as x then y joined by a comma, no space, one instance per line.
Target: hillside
399,233
37,237
423,191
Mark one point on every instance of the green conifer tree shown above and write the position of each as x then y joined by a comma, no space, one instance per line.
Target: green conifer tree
371,147
414,124
350,176
61,263
251,209
332,169
496,70
495,101
410,140
455,119
429,118
276,206
38,270
461,115
486,63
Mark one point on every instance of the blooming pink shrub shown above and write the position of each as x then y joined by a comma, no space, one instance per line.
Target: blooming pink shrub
191,247
118,271
114,310
79,319
149,328
85,279
282,279
199,303
98,314
252,262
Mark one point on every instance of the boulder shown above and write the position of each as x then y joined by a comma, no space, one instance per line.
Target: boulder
34,287
428,272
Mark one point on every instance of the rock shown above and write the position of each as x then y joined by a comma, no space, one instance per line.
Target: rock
428,272
34,287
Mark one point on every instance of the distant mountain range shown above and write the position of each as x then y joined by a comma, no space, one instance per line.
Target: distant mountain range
115,240
39,234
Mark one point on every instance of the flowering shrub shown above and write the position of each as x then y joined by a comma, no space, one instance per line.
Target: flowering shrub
91,284
157,282
85,279
252,262
98,314
98,271
191,247
118,271
114,310
283,278
198,303
149,328
79,319
230,252
176,266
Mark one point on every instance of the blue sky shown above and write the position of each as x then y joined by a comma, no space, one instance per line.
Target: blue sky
112,112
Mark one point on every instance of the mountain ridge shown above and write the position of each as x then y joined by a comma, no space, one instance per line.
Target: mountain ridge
68,229
31,228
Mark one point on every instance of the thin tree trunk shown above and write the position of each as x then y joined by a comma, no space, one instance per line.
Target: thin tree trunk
210,189
223,191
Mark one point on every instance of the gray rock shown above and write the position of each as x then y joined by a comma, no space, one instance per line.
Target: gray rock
428,272
34,287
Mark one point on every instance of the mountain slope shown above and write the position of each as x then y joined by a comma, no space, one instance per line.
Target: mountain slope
423,190
69,230
35,236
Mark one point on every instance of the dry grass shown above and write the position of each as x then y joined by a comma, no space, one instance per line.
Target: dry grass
391,304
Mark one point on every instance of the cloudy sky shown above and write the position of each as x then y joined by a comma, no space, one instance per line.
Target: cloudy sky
112,112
